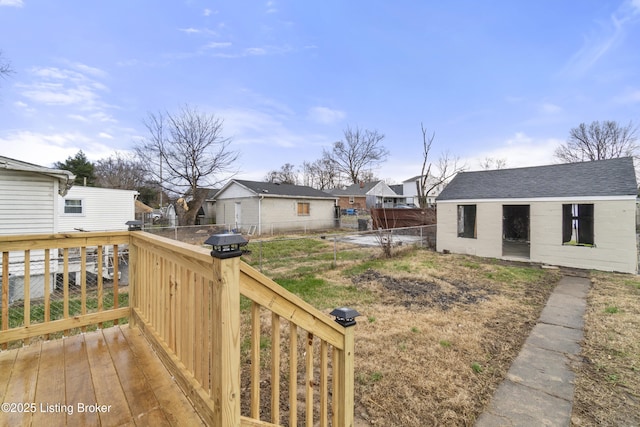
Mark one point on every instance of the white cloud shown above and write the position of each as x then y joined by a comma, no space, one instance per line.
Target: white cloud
79,92
13,3
24,107
46,148
519,150
271,7
189,30
600,41
632,96
216,45
549,108
105,135
325,115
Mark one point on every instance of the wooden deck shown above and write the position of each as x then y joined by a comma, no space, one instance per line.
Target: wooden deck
110,377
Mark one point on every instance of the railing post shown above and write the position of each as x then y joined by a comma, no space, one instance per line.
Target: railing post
346,399
225,326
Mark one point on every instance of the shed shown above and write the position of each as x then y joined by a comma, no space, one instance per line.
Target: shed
578,215
263,207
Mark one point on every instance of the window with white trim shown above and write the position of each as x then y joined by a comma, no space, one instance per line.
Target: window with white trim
73,206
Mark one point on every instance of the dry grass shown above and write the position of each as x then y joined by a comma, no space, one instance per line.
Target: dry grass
441,335
608,374
439,332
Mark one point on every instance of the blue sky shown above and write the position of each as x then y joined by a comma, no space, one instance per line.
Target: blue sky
504,79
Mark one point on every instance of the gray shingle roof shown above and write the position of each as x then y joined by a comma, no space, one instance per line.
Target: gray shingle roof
273,189
612,177
353,189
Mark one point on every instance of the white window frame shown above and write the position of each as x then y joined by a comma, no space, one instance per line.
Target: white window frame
81,206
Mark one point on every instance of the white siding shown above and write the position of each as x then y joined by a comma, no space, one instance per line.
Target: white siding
282,213
104,209
234,191
614,234
27,203
226,210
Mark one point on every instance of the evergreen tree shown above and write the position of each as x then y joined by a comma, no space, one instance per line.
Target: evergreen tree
81,167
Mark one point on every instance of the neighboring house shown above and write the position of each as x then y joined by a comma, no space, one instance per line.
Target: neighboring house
29,197
366,195
96,209
263,207
410,190
576,215
29,205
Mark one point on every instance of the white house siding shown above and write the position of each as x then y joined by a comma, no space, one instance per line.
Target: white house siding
28,206
27,203
614,233
226,211
282,214
104,209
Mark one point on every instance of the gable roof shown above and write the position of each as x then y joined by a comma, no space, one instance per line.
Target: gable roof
611,177
362,189
64,177
272,189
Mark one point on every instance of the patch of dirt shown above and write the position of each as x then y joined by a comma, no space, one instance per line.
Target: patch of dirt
438,292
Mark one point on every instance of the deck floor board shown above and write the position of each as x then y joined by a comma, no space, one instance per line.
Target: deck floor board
114,368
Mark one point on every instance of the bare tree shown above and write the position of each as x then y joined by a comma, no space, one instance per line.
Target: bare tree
5,67
360,149
185,152
121,171
447,166
598,141
286,175
491,163
320,174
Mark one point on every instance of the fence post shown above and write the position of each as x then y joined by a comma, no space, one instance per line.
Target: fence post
345,405
225,326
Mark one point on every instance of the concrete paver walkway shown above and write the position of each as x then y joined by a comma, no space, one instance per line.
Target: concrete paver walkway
539,387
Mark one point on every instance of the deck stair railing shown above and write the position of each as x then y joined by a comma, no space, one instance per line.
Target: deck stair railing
243,349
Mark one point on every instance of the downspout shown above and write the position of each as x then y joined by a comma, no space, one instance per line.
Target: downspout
260,197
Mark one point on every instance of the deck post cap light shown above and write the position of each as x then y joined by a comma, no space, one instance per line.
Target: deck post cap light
345,316
134,225
226,245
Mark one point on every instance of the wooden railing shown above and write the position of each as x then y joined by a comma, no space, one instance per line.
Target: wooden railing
33,262
242,348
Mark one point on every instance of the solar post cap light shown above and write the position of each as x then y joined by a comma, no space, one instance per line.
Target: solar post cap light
226,245
345,316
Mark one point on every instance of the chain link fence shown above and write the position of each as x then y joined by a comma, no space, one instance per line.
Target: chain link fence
43,283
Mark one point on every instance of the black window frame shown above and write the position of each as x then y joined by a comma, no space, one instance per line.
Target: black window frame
467,227
578,224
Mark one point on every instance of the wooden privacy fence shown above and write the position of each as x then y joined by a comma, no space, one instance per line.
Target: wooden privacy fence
242,348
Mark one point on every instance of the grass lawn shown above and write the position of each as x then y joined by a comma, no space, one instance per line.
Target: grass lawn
439,332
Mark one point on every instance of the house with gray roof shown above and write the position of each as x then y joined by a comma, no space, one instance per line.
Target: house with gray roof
367,195
580,215
266,207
